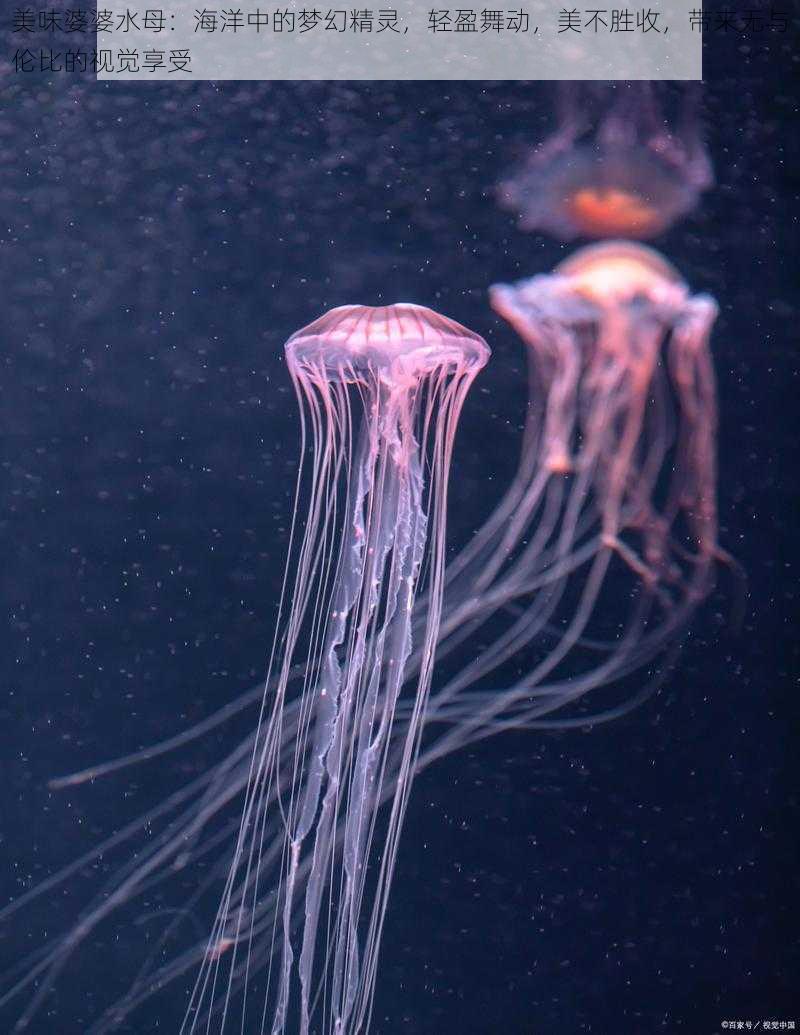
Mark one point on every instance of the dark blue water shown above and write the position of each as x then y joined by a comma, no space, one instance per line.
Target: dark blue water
157,246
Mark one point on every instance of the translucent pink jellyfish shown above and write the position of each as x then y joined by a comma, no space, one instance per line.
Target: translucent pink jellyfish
372,526
381,391
616,166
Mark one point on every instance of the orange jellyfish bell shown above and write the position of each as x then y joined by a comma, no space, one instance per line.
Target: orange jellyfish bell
608,211
616,166
619,271
624,193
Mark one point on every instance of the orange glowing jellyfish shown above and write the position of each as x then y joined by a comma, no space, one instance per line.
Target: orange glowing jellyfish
615,167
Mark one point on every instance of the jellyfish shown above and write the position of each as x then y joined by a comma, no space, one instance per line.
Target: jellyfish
370,519
583,581
616,166
380,390
606,541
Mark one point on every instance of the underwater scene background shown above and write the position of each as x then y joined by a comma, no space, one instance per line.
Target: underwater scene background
157,247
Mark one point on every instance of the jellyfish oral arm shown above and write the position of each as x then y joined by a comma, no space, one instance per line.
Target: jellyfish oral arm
363,671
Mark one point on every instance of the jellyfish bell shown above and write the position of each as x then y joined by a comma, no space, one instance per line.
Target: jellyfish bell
625,193
398,341
622,175
608,211
617,272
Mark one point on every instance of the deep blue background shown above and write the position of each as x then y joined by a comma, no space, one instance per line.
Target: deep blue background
157,246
